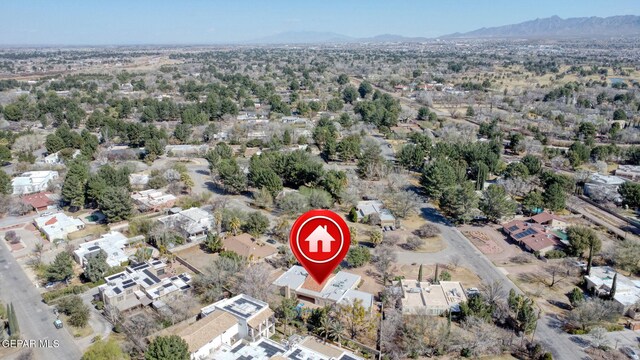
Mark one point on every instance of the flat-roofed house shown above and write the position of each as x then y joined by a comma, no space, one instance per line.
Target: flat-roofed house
58,226
424,298
338,288
370,207
627,294
141,285
193,223
113,244
33,182
153,200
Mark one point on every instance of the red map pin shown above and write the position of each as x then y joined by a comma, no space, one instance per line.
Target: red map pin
320,239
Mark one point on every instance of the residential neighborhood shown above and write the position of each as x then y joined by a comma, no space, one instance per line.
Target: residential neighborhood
201,180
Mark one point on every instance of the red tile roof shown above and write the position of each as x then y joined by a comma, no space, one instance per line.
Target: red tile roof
38,200
533,236
51,221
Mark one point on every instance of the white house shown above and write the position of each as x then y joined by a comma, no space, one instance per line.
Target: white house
193,223
209,333
33,182
113,244
339,288
600,282
320,234
421,297
58,226
254,317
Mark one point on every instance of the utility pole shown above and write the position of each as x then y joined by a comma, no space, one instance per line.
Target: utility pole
380,331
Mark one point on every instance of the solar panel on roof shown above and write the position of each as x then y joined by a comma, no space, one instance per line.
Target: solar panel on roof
269,349
185,287
117,290
513,228
126,286
149,282
150,275
237,348
93,248
167,285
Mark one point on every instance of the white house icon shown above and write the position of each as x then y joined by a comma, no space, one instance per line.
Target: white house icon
320,234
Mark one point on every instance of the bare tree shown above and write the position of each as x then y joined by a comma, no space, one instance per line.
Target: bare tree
383,261
455,261
254,282
402,203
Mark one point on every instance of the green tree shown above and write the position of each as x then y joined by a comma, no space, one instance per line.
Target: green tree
334,182
343,79
495,203
470,111
61,268
482,173
578,154
335,105
349,95
262,176
5,155
115,203
365,89
630,192
353,215
171,347
533,164
555,197
182,132
213,242
257,224
96,266
5,183
54,143
576,297
231,176
439,175
104,350
533,201
459,202
423,113
619,114
582,238
411,156
358,256
516,170
286,311
523,312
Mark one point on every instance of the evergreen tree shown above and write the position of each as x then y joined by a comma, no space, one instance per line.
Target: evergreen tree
496,204
614,284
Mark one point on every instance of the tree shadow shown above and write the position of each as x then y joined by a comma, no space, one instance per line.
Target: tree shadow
214,188
432,215
203,172
560,304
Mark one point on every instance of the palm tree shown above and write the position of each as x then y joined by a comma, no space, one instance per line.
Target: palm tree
336,329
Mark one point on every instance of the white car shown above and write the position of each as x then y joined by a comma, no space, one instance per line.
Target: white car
630,352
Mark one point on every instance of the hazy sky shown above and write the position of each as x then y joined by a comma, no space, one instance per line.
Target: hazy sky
92,22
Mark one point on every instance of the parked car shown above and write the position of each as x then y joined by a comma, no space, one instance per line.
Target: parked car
58,324
46,213
271,241
580,264
473,291
49,285
630,352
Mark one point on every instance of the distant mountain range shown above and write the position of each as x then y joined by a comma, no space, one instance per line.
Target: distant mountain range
558,28
313,37
547,28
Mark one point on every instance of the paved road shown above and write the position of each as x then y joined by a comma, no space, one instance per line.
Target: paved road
34,317
548,332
